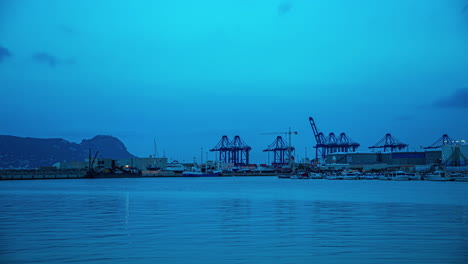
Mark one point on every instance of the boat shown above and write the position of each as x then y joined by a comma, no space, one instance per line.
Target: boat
383,177
175,167
368,177
284,176
436,176
351,175
315,175
153,167
413,176
200,174
334,177
459,177
402,176
303,175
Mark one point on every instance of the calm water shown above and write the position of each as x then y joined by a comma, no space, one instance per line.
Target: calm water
233,220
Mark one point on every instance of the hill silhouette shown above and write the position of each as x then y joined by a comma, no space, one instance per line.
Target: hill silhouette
27,153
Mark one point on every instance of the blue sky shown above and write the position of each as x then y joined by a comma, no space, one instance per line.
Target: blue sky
187,72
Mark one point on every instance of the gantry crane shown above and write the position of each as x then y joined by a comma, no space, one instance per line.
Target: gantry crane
331,143
389,142
442,141
235,151
290,148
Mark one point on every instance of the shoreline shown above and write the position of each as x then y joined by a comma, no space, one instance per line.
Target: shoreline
12,175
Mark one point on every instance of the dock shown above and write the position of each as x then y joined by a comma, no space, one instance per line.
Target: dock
37,174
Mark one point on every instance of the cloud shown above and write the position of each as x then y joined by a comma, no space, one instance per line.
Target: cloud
46,58
284,8
4,53
459,99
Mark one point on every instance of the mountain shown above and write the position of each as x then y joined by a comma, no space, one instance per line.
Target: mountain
19,152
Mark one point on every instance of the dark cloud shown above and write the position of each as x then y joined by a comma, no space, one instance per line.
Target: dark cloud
284,8
42,57
459,99
4,53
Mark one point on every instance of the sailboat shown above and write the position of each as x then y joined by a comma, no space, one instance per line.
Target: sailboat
153,166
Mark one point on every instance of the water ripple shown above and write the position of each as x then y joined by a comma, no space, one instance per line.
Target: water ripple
232,220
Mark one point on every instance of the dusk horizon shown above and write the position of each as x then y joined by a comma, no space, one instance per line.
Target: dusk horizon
185,77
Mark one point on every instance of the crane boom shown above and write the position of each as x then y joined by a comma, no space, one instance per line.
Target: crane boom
315,130
320,150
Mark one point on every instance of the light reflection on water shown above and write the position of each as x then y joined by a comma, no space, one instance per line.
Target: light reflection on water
232,220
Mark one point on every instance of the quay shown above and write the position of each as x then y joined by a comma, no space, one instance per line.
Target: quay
40,174
81,174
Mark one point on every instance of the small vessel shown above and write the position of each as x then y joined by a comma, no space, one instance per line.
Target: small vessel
351,175
284,176
436,176
201,174
402,176
153,167
459,177
334,177
384,177
175,167
413,176
368,177
315,175
303,175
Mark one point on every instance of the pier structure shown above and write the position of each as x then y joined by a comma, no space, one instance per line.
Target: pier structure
281,152
444,140
236,151
389,143
331,144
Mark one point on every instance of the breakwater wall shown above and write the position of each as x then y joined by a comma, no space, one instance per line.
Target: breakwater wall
41,174
80,174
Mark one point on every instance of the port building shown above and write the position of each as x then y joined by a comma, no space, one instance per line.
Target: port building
104,163
379,160
448,155
143,163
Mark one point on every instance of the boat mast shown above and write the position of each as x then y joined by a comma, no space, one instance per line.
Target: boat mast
155,149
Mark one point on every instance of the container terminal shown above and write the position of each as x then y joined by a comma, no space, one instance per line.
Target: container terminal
332,154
